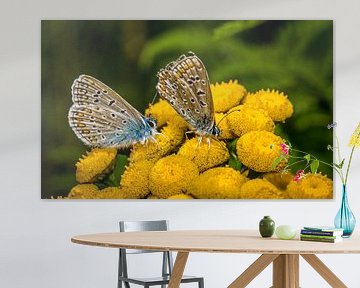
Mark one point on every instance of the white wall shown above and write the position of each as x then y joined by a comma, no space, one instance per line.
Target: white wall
35,248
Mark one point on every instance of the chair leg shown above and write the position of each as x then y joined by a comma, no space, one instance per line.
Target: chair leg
201,283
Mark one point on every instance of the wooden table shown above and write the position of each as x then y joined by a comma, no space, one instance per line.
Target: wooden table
284,254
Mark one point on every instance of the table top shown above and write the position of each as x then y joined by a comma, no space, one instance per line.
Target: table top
217,241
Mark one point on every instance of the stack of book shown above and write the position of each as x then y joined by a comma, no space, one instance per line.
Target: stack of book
321,234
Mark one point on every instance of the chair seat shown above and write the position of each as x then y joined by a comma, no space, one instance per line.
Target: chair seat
158,280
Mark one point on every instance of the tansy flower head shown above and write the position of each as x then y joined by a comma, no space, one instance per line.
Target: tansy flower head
259,149
203,154
243,119
112,193
355,138
170,137
84,191
162,112
260,189
181,196
220,183
174,132
276,104
95,164
135,180
151,151
222,123
279,179
171,175
315,186
227,95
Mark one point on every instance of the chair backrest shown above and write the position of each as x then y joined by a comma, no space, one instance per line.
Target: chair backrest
134,226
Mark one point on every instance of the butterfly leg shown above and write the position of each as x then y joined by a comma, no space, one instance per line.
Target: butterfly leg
188,132
153,139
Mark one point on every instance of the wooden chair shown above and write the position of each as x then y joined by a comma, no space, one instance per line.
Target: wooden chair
167,262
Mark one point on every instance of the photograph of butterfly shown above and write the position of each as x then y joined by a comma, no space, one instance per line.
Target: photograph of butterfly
190,109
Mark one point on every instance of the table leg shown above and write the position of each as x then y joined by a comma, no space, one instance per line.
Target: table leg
286,271
324,271
178,269
253,270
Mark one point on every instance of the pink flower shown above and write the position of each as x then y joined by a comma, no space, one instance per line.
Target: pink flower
284,148
299,175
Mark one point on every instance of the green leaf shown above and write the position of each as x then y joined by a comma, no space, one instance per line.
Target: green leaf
113,179
276,162
231,28
235,163
314,166
307,157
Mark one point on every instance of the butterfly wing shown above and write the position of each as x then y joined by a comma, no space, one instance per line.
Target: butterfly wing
184,83
102,118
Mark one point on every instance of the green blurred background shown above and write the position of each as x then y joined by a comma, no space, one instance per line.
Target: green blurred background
295,57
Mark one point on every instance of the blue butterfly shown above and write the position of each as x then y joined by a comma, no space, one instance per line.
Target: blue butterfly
185,84
102,118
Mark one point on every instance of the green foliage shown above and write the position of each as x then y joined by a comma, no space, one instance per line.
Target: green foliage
231,28
234,161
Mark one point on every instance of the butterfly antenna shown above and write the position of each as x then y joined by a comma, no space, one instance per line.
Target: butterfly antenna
227,114
156,94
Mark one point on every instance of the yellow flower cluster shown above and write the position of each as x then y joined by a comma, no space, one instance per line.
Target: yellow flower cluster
220,182
260,189
181,165
204,155
95,164
227,95
135,179
312,186
163,112
243,119
171,175
259,149
276,104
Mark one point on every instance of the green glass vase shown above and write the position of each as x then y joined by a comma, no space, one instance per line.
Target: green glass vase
266,226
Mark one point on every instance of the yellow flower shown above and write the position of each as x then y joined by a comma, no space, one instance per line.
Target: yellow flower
171,175
312,186
95,164
243,119
180,196
227,95
258,150
172,135
112,193
151,151
84,191
276,104
135,179
204,155
174,132
355,138
162,112
279,179
218,183
260,189
225,131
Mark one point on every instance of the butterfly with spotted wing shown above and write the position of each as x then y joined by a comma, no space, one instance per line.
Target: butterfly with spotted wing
100,117
184,83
